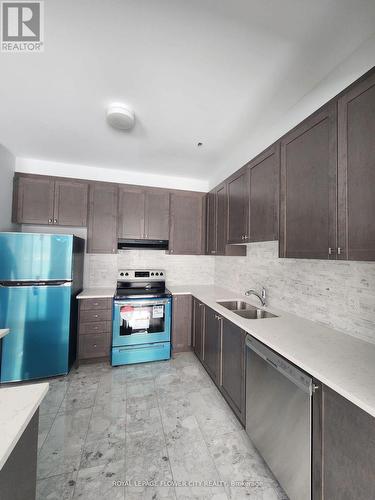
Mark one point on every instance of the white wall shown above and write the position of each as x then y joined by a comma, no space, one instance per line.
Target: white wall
7,165
43,167
339,294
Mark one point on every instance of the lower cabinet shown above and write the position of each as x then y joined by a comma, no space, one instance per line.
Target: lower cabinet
233,366
95,328
212,343
181,323
348,449
198,327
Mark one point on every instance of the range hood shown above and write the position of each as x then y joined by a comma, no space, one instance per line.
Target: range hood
127,244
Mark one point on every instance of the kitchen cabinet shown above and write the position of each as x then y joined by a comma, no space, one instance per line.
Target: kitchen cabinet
308,187
348,449
233,367
181,323
46,200
238,207
70,203
356,171
198,328
94,328
131,223
211,224
143,213
157,214
264,195
187,223
212,343
102,218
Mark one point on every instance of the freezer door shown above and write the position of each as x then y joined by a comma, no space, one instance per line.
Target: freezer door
39,320
33,257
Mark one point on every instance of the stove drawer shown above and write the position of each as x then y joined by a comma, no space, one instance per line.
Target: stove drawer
94,346
103,327
141,354
95,315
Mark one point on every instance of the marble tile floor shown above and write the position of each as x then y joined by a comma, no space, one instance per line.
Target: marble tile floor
106,431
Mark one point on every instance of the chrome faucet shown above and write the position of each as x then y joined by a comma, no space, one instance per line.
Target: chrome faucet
261,296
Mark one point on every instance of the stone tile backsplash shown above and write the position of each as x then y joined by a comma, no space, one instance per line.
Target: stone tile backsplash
339,294
101,270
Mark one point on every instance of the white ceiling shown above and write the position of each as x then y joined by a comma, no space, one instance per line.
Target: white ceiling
194,70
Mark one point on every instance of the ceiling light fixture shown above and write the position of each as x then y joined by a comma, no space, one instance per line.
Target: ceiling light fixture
120,116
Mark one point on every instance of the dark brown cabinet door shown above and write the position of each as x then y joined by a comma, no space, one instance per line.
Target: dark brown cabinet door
308,188
181,323
348,444
356,172
157,215
233,367
211,227
264,195
102,218
35,200
221,219
131,213
238,207
187,223
198,327
212,343
70,203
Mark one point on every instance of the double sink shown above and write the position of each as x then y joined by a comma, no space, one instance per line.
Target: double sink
246,310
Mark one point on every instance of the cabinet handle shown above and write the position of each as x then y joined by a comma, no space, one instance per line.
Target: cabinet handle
329,251
213,251
55,221
49,221
171,251
200,305
96,316
94,345
96,303
339,251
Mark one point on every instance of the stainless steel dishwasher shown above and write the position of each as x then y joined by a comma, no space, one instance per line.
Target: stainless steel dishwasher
278,417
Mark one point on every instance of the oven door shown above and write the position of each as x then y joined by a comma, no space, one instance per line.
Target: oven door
141,321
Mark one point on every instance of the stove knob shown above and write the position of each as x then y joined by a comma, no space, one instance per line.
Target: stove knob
161,274
152,274
126,274
121,274
156,274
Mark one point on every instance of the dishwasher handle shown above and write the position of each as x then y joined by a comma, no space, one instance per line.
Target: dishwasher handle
298,377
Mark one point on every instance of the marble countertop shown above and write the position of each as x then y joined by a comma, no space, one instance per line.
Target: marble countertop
340,361
4,332
97,293
17,407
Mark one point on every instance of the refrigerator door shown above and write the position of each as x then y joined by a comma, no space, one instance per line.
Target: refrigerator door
35,257
38,343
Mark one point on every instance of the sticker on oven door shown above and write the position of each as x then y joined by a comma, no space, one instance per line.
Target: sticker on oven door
157,311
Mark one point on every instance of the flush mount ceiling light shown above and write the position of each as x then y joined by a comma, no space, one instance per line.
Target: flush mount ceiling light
120,116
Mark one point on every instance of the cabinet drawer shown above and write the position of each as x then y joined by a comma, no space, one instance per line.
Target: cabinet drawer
94,346
88,304
95,315
102,327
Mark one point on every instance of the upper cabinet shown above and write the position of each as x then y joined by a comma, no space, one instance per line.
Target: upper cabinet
211,225
44,200
187,223
238,207
264,173
143,213
102,220
356,171
308,187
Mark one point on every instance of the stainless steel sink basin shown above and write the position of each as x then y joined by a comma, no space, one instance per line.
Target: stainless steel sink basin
246,310
236,305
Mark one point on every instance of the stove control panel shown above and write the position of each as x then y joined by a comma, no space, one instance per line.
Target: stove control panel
141,274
